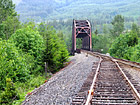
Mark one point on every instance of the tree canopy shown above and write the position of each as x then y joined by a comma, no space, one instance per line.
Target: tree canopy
118,25
7,8
9,21
12,63
121,44
55,52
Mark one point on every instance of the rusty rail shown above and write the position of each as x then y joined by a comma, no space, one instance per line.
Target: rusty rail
90,94
124,61
115,60
107,89
137,95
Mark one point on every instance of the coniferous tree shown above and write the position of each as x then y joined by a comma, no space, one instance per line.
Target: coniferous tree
55,52
118,25
6,9
135,28
9,21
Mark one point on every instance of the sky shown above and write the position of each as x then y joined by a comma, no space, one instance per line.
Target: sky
16,1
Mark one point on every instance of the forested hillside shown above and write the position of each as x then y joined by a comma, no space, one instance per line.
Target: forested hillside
30,51
67,9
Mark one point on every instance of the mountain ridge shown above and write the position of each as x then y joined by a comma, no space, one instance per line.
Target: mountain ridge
69,9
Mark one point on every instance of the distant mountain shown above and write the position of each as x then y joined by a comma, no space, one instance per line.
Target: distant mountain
69,9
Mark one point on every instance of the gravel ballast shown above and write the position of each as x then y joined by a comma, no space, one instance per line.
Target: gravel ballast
133,72
63,86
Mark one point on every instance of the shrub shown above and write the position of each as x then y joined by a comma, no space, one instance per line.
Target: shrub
12,64
121,45
133,53
10,93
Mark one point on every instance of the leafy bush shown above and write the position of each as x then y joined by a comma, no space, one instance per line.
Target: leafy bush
123,43
30,41
12,64
133,53
24,88
10,93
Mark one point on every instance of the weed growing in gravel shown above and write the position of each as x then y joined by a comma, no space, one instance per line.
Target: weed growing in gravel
24,88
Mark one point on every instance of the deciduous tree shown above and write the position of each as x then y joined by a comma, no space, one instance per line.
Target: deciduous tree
121,45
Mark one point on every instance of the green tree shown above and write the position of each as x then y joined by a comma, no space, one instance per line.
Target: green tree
100,42
60,35
133,53
124,42
6,9
55,53
30,42
8,27
118,25
96,32
105,29
12,64
135,28
9,21
79,43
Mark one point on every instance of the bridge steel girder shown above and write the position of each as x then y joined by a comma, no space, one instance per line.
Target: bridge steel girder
81,29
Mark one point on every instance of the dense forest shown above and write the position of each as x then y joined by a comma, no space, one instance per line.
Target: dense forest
29,53
36,40
67,9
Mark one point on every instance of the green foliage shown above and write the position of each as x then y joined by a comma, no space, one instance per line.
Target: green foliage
9,22
133,53
56,53
30,42
28,86
123,43
78,43
8,27
6,9
10,93
101,43
135,28
96,32
60,35
69,42
118,25
99,10
12,64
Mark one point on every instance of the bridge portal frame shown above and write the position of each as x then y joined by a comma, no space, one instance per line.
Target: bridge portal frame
82,29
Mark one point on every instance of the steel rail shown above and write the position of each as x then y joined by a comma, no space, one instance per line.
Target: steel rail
90,94
115,60
124,61
137,95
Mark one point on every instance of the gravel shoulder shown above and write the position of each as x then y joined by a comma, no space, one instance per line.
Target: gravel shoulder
63,86
134,75
134,72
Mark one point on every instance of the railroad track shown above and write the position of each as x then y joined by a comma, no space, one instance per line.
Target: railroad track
107,84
